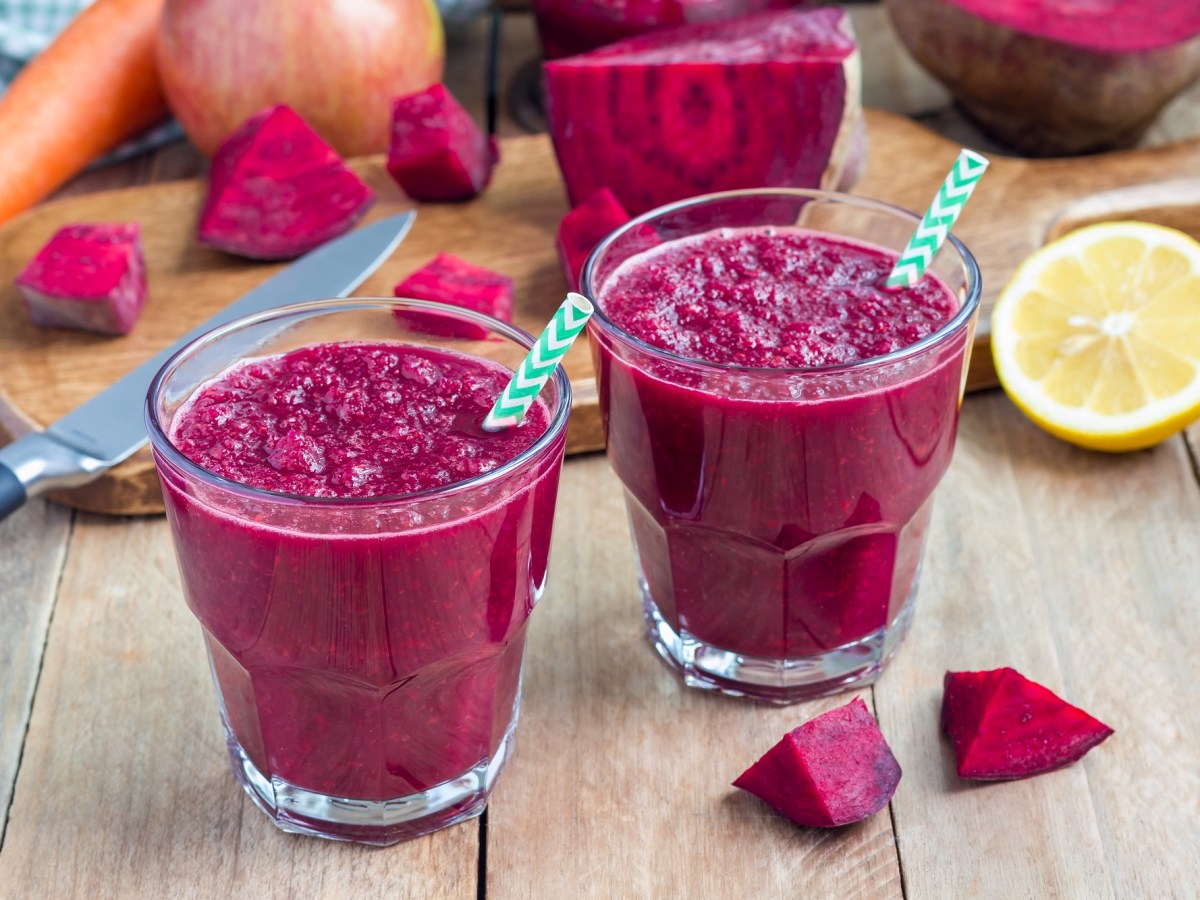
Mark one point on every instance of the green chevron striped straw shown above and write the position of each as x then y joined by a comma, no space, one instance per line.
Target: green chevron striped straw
935,226
537,367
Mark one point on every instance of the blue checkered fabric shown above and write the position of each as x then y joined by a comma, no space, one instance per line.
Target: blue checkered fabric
27,27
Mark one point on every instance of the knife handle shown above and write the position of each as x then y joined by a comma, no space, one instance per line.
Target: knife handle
38,462
12,492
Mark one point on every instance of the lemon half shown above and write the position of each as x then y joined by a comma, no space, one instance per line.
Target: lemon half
1097,336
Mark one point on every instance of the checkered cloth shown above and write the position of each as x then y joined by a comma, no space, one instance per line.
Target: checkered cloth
27,27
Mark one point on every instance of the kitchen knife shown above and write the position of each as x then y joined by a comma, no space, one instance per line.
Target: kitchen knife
109,428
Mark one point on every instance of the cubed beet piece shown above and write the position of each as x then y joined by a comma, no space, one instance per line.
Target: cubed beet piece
1004,726
448,279
437,152
583,228
832,770
89,277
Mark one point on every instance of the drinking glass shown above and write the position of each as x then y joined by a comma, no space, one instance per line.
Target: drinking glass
778,515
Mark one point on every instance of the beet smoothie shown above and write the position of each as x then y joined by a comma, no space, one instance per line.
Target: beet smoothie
366,619
779,457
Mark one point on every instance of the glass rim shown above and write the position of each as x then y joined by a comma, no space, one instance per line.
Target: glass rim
161,442
958,322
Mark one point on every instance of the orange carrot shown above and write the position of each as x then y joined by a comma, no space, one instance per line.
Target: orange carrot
92,88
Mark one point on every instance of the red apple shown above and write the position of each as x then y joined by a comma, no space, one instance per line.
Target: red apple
338,63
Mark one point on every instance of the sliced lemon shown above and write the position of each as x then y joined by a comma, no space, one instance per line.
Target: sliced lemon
1097,336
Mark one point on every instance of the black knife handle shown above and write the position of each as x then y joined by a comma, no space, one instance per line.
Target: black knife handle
12,492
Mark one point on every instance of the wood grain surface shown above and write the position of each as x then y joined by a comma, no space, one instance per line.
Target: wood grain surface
125,789
1080,570
1173,204
1076,568
511,228
33,542
621,783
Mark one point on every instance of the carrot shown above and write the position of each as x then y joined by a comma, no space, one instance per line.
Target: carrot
92,88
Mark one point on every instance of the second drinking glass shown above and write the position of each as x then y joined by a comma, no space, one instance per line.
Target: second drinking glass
778,511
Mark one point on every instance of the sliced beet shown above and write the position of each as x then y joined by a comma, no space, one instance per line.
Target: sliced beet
832,770
1004,726
583,228
1053,79
769,100
437,152
448,279
277,190
89,277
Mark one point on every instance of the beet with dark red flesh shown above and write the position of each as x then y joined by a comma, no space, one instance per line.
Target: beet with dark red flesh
1051,78
770,100
583,228
448,279
88,277
437,152
1004,726
277,190
832,770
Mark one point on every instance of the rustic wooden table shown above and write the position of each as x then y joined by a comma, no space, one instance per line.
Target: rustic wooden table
1079,569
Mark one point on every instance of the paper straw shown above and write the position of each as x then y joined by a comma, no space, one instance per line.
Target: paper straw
537,367
935,226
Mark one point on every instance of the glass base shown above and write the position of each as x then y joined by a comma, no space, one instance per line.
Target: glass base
379,822
780,681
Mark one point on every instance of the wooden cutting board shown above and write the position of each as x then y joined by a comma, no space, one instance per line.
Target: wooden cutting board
511,228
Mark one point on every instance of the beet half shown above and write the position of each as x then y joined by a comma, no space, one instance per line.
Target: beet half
769,100
1004,726
277,190
88,277
832,770
448,279
437,152
1050,78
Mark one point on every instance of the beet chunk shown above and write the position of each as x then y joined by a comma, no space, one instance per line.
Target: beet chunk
583,228
832,770
276,190
437,152
768,100
89,277
448,279
1004,726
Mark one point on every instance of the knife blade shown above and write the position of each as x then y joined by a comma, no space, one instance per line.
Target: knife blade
109,428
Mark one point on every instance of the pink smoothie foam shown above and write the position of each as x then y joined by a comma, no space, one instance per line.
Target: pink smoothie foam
787,526
352,420
772,298
364,663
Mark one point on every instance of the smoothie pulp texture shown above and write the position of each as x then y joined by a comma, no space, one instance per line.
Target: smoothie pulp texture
366,644
778,496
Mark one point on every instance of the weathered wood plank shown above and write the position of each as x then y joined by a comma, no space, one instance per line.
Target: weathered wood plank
125,789
1074,568
1192,438
32,545
621,782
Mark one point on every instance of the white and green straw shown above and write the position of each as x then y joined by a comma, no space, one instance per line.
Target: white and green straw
935,225
537,367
